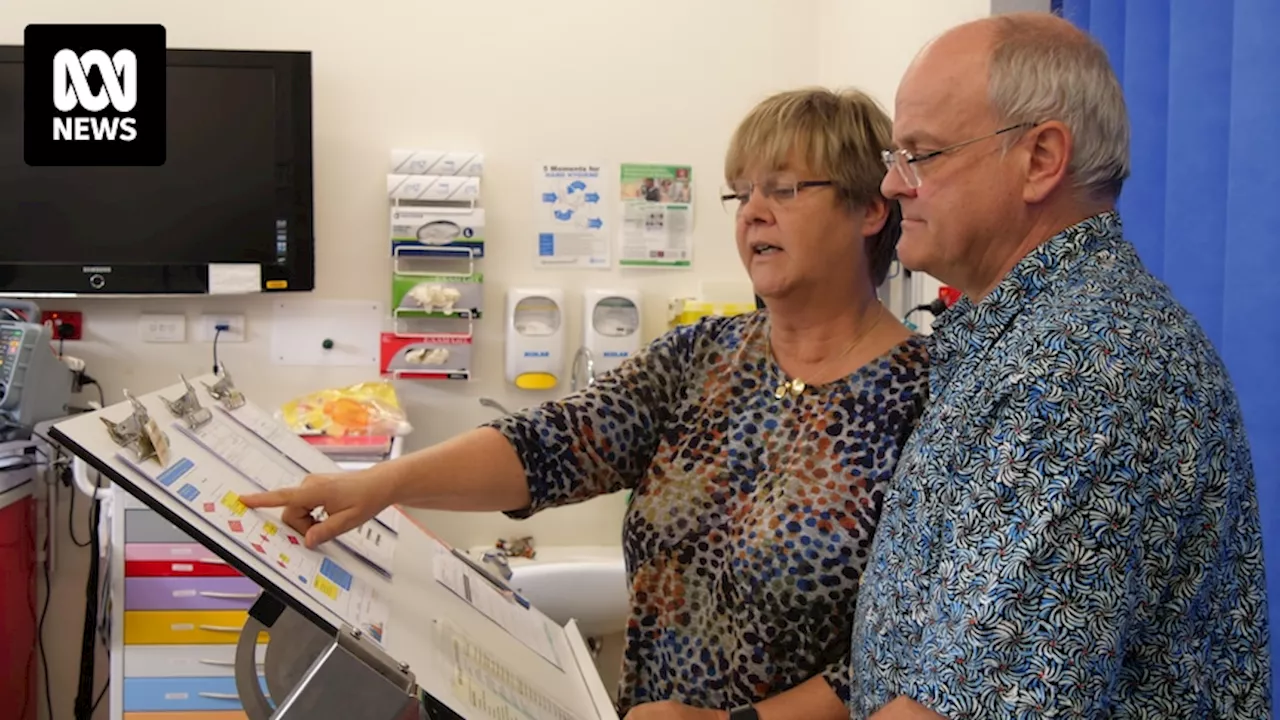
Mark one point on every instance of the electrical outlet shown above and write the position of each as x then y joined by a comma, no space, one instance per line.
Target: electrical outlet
235,332
162,328
67,324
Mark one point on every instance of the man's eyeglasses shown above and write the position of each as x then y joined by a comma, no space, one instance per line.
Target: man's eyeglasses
734,196
904,161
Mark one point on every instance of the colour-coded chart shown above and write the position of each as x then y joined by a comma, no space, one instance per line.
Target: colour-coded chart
256,460
215,494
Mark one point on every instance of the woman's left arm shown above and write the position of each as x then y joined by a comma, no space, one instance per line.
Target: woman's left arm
813,699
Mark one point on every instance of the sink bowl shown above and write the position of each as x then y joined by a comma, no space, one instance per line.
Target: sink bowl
583,583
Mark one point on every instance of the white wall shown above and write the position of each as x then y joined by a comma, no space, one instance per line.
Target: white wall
663,81
518,85
870,44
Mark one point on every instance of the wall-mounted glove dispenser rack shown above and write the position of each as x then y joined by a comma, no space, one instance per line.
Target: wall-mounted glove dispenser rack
437,234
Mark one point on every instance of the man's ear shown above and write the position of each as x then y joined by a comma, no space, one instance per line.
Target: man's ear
1048,150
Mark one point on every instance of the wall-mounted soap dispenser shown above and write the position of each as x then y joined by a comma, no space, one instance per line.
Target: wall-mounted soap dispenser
535,330
610,326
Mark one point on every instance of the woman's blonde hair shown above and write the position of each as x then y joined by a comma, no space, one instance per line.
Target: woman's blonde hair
839,135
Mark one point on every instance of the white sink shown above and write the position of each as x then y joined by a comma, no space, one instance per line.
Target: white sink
587,583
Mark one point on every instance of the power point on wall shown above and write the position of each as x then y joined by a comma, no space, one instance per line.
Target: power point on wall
233,328
158,328
67,325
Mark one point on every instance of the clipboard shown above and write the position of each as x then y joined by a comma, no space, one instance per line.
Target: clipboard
464,660
197,492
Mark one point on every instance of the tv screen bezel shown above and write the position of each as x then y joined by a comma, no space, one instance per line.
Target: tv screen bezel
295,197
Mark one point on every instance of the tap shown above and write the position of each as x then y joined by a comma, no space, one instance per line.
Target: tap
494,405
498,560
584,353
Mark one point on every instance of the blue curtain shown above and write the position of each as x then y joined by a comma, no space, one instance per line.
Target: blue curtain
1202,82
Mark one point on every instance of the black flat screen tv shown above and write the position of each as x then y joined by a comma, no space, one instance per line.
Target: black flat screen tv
235,188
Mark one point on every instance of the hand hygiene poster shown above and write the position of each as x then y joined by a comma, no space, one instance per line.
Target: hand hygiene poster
573,231
657,216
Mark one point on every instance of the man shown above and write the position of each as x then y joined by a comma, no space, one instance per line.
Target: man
1073,530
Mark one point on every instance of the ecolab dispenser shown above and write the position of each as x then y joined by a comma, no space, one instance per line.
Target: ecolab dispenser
535,337
611,327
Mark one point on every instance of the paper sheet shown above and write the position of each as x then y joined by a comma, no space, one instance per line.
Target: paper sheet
390,519
266,467
258,422
492,687
321,577
234,278
526,624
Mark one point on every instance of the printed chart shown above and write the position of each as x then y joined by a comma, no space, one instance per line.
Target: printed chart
513,614
253,419
492,687
212,493
257,460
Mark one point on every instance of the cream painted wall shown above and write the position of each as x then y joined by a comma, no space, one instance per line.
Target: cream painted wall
858,36
565,80
870,44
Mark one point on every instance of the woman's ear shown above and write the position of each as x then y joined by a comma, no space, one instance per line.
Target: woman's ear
874,215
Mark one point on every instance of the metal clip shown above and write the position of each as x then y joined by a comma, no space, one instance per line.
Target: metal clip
225,392
188,407
135,432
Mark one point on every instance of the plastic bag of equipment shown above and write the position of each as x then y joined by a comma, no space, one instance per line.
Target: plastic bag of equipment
367,409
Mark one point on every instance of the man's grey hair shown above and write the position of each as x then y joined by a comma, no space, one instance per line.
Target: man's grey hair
1040,72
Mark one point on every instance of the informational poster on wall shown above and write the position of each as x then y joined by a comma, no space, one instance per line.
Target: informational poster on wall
572,229
657,216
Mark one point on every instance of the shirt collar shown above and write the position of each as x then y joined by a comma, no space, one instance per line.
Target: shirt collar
969,327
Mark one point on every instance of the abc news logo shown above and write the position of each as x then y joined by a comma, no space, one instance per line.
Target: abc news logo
71,90
94,95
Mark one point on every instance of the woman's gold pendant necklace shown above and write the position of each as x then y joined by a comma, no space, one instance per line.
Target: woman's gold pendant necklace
795,386
792,387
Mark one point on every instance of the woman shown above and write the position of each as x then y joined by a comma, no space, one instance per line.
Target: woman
757,446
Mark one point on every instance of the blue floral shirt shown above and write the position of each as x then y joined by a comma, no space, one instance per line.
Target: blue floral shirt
1072,530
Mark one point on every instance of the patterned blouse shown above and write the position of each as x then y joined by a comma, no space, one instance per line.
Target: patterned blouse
752,517
1072,531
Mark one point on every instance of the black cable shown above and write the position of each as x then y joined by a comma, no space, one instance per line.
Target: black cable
36,617
71,517
48,586
216,333
83,709
84,698
102,398
88,643
936,308
44,613
31,655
